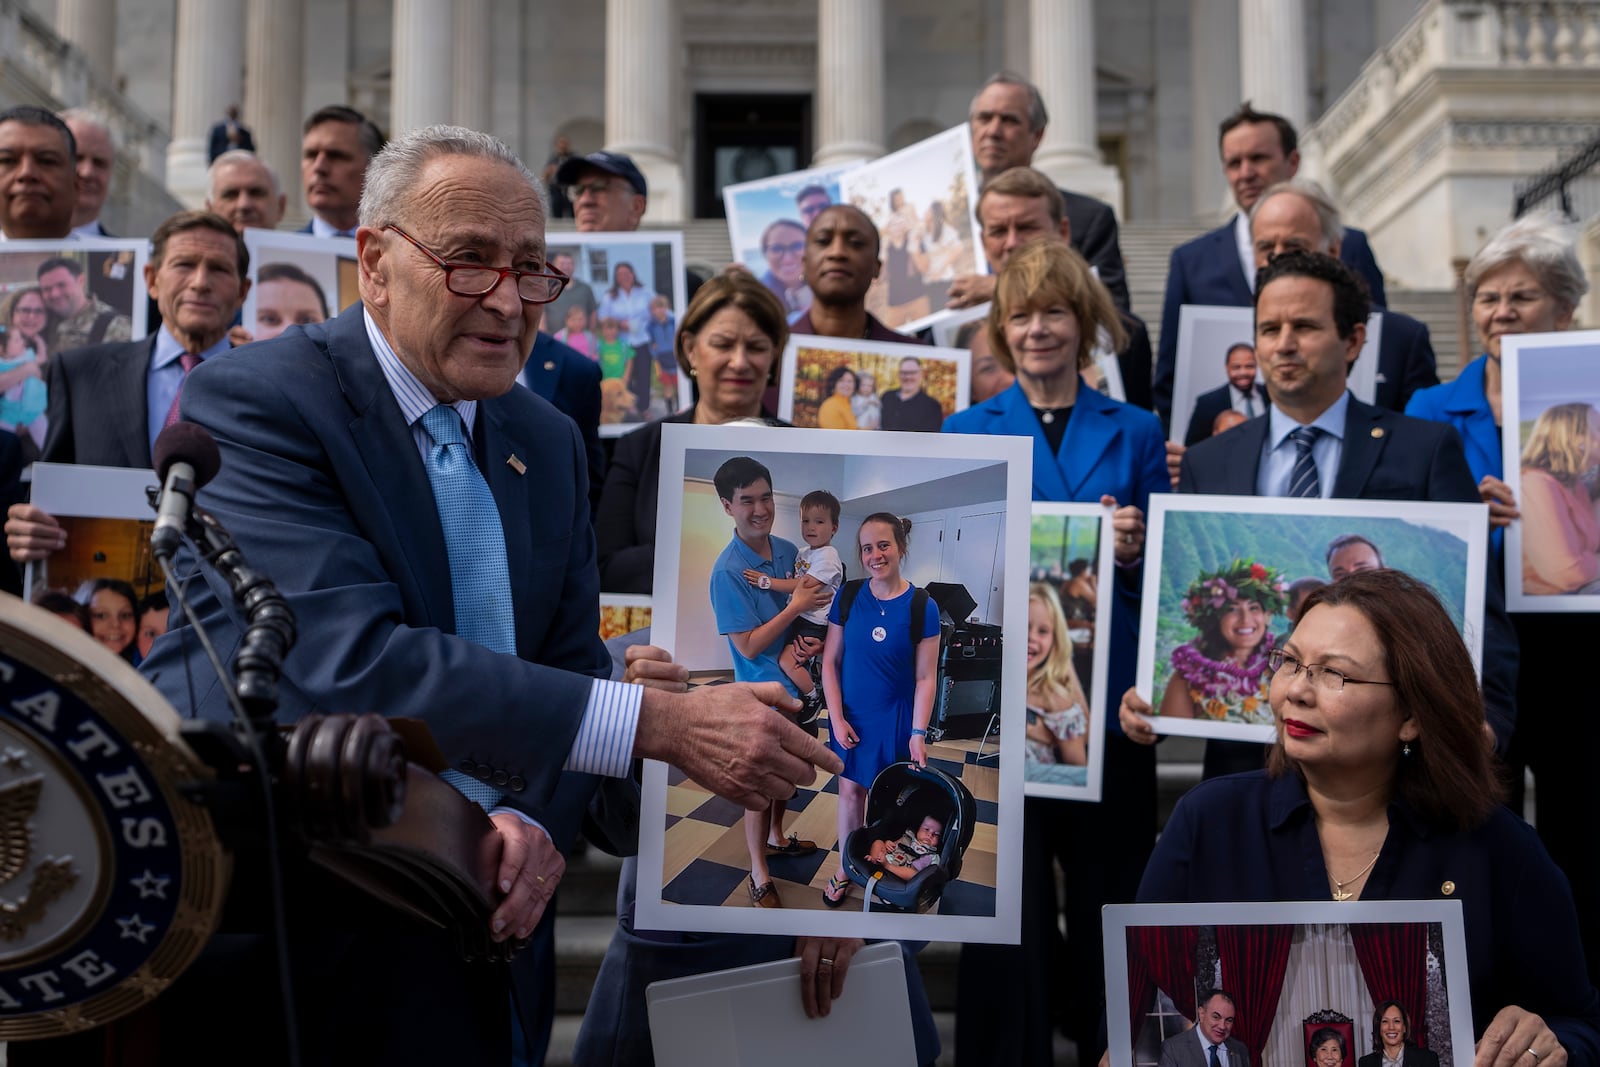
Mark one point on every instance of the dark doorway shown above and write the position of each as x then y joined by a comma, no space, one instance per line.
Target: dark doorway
739,138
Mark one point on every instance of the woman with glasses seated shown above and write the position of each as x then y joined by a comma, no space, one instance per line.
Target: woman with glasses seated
1381,786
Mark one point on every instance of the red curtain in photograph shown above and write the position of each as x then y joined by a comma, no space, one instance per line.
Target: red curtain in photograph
1168,956
1394,962
1140,990
1254,960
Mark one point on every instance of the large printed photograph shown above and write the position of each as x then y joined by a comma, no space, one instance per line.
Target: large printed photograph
56,295
767,223
1551,442
833,383
921,199
1225,577
1324,984
297,280
1069,635
873,576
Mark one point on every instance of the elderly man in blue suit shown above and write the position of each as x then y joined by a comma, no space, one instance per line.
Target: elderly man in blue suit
429,524
1259,150
1311,315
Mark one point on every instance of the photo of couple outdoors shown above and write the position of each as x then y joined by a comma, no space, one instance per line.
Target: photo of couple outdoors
832,574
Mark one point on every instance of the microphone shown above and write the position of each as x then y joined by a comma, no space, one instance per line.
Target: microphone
186,458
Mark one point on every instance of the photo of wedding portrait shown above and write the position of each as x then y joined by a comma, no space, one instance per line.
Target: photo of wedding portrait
1225,578
1069,626
832,383
297,280
1552,462
921,199
873,576
1323,984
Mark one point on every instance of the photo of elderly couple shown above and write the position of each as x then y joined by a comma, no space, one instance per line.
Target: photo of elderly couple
1231,574
847,569
1317,985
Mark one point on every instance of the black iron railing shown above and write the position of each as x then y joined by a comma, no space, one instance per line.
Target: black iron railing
1570,185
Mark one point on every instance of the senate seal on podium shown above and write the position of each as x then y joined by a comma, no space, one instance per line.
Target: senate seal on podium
111,880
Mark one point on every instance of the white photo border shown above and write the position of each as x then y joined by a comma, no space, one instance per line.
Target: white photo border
1105,564
1513,349
1476,516
1004,926
1118,918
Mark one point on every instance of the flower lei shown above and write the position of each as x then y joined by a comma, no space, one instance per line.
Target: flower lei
1220,679
1210,595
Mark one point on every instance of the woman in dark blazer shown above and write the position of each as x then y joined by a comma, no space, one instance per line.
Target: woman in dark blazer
1380,787
1391,1040
1047,312
729,342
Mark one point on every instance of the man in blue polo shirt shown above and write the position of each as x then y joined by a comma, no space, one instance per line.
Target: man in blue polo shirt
756,614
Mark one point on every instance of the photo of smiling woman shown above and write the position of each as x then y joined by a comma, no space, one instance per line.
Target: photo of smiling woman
1222,674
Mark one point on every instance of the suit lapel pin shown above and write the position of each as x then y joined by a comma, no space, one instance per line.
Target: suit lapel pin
1377,431
516,464
549,364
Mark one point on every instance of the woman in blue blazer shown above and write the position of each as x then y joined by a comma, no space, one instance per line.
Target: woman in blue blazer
1047,312
1528,279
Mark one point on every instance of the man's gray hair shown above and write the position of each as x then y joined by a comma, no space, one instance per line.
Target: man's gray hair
1315,195
83,114
394,173
234,156
1543,242
1037,116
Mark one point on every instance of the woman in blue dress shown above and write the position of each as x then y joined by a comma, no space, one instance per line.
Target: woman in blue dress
878,682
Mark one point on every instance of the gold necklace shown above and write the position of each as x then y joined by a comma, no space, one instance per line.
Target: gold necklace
1339,892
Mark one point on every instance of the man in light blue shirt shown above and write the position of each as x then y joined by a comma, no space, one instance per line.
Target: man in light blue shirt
755,616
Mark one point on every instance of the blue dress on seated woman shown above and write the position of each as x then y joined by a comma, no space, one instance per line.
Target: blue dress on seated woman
1248,837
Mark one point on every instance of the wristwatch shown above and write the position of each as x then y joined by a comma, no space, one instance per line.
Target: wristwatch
764,582
917,731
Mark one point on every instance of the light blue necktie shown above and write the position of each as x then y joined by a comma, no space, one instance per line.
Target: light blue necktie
1303,480
480,581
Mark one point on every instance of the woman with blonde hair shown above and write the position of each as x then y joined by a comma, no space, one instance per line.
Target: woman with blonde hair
1058,722
1560,532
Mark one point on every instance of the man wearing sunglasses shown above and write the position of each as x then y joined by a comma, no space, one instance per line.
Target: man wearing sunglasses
427,523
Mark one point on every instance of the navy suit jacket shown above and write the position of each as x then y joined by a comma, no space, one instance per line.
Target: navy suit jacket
1109,449
324,488
1385,456
571,381
1207,270
99,411
1094,235
1521,926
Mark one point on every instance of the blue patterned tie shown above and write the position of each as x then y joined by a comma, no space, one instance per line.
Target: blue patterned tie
480,581
1303,481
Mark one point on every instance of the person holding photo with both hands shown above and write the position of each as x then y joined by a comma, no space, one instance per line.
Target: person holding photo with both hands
1047,310
877,680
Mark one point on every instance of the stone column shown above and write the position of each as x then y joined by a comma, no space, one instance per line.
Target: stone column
473,64
849,81
641,100
1213,95
423,54
206,78
1272,58
1062,51
272,77
92,26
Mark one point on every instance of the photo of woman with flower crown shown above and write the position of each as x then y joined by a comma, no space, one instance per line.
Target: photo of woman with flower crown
1224,577
1222,674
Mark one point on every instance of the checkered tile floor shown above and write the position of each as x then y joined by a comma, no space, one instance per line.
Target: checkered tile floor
706,861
